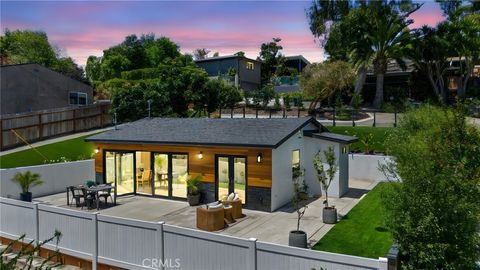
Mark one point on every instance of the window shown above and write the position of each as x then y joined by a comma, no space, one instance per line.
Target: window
77,98
250,65
295,159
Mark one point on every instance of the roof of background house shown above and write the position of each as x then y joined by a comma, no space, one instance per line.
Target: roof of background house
295,57
207,131
393,68
225,57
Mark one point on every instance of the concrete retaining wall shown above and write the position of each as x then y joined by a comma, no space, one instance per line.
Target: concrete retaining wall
56,177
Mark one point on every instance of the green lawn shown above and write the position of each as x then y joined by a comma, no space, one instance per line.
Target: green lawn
73,149
377,142
362,231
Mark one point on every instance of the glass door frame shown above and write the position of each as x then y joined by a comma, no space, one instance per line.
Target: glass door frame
115,164
231,174
169,172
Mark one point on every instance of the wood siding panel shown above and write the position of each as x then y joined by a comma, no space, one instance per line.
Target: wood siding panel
259,174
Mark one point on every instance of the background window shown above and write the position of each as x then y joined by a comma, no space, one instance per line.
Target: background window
295,159
250,65
77,98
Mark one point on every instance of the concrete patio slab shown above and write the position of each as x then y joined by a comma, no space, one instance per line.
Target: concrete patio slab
269,227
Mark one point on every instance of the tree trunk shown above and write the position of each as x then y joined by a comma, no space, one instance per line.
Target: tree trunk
361,77
377,103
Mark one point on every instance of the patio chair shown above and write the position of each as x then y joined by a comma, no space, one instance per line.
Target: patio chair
88,198
211,219
146,178
77,195
237,207
106,194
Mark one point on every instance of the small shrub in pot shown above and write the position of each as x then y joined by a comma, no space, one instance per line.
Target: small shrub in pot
325,177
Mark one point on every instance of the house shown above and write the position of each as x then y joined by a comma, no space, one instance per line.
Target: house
286,84
33,87
241,71
253,157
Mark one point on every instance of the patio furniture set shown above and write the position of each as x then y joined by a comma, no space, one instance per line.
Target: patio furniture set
217,215
86,196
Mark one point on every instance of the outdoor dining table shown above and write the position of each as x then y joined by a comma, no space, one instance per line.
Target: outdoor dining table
96,190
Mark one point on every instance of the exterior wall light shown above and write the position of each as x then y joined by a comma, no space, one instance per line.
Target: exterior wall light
200,155
259,157
344,150
97,150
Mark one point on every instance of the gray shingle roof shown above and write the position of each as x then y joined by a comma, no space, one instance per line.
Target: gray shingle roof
334,137
206,131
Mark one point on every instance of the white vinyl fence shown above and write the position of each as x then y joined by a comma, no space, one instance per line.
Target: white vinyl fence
56,177
135,244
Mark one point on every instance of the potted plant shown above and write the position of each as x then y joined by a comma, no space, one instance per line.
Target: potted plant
26,181
298,238
325,177
193,195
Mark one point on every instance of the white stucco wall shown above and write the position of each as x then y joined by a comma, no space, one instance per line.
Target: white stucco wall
56,178
282,185
366,167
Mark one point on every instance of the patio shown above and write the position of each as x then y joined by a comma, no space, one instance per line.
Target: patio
269,227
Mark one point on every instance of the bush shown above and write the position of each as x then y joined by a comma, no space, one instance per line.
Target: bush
433,212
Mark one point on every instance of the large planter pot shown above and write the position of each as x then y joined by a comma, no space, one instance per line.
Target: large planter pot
297,239
193,199
329,215
26,196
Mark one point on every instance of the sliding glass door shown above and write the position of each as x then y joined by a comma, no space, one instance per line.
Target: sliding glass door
161,166
171,172
143,173
119,170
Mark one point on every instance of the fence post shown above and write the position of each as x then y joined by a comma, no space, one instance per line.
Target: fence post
40,126
252,254
395,114
298,112
1,135
353,117
284,112
74,121
95,241
269,113
374,118
393,258
160,243
256,112
243,111
220,112
382,263
37,223
334,116
231,112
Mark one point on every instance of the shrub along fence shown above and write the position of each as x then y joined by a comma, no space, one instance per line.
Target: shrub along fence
40,125
136,244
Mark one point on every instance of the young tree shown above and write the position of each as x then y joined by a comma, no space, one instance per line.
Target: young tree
433,210
272,58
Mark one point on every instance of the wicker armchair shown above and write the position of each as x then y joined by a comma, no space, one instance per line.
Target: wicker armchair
237,207
211,219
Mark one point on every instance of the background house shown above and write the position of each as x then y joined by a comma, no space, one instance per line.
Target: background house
285,84
238,70
33,87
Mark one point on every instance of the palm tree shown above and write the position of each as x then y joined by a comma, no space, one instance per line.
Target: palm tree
387,38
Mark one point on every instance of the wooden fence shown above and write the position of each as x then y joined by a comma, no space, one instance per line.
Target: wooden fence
37,126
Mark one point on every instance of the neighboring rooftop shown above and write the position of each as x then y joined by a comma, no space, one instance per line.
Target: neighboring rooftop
298,57
225,57
334,137
207,131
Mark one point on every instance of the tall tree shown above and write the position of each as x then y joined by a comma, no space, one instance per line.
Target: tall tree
271,57
200,54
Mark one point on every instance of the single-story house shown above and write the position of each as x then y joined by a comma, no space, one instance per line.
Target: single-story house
252,157
33,87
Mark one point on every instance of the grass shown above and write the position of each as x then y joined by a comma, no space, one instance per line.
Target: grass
362,231
377,142
73,149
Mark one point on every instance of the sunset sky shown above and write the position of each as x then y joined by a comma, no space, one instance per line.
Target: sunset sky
84,28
